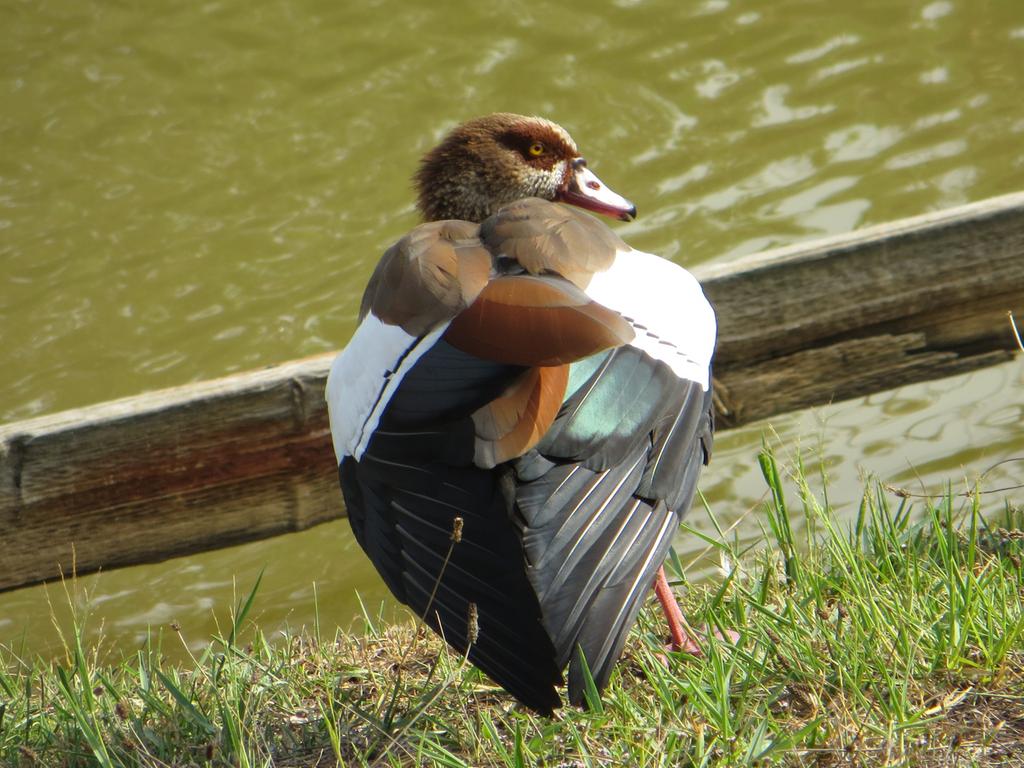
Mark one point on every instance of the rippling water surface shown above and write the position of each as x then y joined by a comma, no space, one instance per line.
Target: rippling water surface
203,188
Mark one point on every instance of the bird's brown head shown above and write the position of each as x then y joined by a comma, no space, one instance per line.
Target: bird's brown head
491,161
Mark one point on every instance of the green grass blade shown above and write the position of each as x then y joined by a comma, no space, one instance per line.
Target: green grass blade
590,693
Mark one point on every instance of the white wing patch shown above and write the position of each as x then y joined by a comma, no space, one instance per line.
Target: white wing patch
673,320
364,377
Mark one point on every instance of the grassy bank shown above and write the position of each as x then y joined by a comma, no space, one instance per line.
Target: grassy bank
898,642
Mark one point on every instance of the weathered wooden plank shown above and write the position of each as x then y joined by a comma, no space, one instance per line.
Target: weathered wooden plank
947,278
166,473
854,367
249,456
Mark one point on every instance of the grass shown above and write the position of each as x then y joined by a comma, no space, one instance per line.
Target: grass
897,640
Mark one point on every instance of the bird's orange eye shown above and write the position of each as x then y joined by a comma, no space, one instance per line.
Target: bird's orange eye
536,149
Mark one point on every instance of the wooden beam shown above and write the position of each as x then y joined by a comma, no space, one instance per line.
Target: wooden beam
166,473
249,456
829,320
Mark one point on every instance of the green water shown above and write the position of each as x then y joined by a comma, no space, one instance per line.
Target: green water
189,189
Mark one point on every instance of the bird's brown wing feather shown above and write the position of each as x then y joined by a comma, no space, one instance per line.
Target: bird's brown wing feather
428,277
538,320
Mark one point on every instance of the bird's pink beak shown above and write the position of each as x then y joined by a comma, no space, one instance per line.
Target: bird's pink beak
582,188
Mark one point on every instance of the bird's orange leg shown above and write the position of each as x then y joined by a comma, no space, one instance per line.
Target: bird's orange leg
681,641
677,626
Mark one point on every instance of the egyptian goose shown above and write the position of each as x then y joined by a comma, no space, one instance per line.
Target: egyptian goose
522,413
